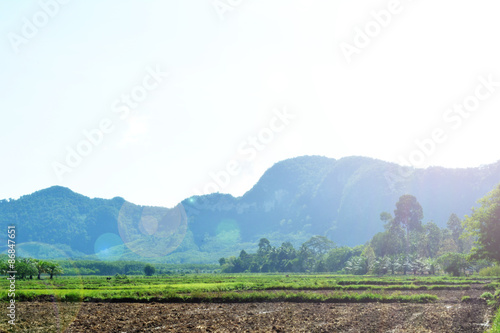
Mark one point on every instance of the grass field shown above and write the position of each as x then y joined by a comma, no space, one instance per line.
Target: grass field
208,287
436,296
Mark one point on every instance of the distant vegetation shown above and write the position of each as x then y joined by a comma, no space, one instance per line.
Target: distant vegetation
406,246
29,268
293,201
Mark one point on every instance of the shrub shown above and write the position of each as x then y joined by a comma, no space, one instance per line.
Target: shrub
487,295
149,270
490,271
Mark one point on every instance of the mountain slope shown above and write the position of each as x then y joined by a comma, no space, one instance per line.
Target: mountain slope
293,200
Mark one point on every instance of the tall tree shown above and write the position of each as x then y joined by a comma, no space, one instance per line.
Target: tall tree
387,219
53,268
25,267
433,238
319,245
409,215
41,267
485,224
264,247
455,226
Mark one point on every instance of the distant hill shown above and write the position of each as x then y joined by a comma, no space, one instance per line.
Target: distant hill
295,199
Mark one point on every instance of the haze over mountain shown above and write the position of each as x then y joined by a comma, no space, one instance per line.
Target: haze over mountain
294,200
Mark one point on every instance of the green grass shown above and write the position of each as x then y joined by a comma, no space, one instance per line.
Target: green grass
239,287
232,297
487,295
495,328
494,301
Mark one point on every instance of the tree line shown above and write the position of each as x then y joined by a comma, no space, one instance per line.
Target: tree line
29,267
405,246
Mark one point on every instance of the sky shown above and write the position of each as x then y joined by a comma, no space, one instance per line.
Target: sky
156,101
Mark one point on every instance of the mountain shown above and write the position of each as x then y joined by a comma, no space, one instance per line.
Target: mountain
295,199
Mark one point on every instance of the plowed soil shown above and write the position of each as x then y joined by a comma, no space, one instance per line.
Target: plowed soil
440,317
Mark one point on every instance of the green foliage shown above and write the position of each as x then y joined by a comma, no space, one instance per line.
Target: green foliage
314,255
484,223
408,215
29,267
357,265
121,276
487,295
60,216
453,263
53,269
465,298
26,267
490,271
455,226
319,245
495,328
71,297
422,249
231,288
336,258
149,270
309,195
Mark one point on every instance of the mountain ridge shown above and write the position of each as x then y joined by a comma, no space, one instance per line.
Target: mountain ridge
293,200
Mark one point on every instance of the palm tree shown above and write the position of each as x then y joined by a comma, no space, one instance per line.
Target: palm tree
53,269
41,266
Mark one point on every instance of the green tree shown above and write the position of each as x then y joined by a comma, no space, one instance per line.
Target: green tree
484,223
320,267
306,258
336,258
418,243
392,263
380,266
31,267
53,269
455,226
357,265
453,263
4,265
25,267
319,245
386,218
381,243
369,254
408,215
264,247
391,241
149,270
41,267
433,239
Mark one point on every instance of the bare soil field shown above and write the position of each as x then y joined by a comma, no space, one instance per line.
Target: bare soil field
440,317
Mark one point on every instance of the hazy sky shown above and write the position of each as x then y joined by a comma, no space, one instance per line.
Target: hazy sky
249,83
